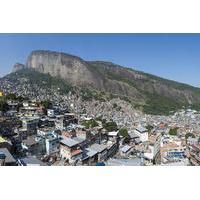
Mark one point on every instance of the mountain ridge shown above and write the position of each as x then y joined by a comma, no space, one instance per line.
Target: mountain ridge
141,89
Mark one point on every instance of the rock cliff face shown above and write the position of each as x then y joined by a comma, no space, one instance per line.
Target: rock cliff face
78,72
70,68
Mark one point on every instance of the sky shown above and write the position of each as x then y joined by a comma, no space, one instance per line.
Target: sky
172,56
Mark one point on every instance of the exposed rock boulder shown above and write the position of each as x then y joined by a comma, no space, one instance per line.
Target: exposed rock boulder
17,67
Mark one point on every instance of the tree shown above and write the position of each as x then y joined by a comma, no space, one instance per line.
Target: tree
90,123
114,105
124,132
47,104
103,121
189,135
149,128
3,106
173,131
99,118
110,126
11,96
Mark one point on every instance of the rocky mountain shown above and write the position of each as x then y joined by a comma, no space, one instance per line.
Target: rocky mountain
151,93
17,67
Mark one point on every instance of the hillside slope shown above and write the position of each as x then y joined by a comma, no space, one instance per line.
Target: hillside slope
154,94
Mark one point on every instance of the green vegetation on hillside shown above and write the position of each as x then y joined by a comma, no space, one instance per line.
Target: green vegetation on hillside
173,131
110,126
171,83
3,105
10,97
149,128
89,94
158,105
189,135
124,132
47,104
195,107
90,123
151,92
155,103
45,81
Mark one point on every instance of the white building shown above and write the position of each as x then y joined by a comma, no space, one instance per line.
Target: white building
52,143
153,147
142,133
50,113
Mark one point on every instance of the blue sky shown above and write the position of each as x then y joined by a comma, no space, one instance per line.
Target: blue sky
172,56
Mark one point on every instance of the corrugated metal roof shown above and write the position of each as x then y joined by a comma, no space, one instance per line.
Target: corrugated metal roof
70,142
91,152
141,129
30,160
9,157
125,148
98,147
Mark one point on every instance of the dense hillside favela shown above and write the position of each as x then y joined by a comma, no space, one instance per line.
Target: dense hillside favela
60,110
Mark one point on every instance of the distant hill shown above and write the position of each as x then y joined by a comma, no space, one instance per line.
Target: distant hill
153,94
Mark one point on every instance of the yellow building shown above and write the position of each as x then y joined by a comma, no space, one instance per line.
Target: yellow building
2,140
1,94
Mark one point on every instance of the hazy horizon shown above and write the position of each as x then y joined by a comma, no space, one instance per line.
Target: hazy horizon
171,56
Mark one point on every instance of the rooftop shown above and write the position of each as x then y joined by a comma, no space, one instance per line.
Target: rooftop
31,161
98,147
133,135
2,140
77,152
153,138
70,142
124,162
47,129
125,148
91,152
113,133
141,129
9,157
